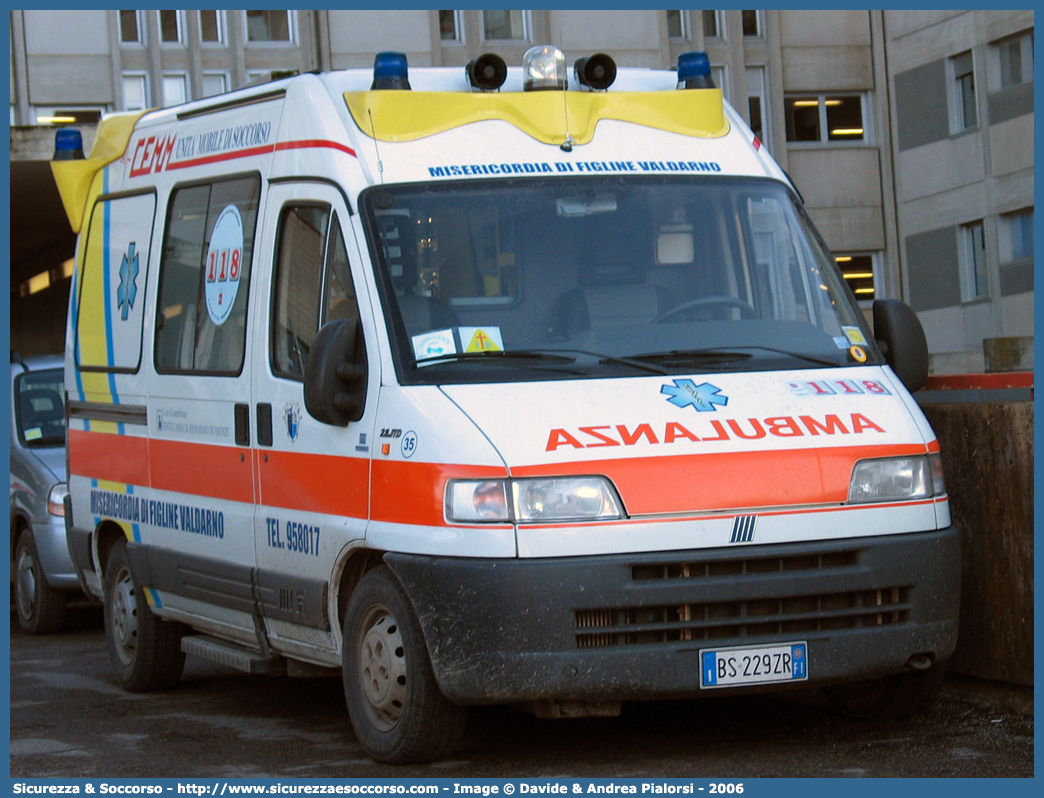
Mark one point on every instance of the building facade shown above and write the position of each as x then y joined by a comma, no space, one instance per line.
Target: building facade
908,133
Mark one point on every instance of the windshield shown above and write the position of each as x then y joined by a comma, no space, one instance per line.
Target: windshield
490,281
39,408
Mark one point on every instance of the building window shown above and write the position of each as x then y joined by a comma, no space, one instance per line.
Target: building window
175,89
751,23
214,83
711,28
503,25
1014,59
974,278
858,270
269,26
1016,236
212,27
963,114
130,27
68,116
831,118
451,27
169,26
135,91
757,103
678,25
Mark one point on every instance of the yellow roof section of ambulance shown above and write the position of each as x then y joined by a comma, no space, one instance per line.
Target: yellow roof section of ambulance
74,178
551,117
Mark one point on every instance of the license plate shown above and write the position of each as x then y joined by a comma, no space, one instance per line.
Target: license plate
733,667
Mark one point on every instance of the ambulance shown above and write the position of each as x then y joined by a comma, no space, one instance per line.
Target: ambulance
530,385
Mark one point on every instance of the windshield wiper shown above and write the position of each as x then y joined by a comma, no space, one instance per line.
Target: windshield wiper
489,354
720,356
544,355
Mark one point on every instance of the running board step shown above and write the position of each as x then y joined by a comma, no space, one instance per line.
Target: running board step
232,656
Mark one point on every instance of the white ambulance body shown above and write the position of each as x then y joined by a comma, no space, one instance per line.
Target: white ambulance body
548,397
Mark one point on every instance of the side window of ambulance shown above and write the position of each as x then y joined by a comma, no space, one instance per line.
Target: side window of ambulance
205,277
313,284
113,274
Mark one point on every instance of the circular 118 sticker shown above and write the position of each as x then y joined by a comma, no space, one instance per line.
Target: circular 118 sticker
224,264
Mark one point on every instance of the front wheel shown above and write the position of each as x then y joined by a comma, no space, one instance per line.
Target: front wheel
396,708
145,650
41,608
902,695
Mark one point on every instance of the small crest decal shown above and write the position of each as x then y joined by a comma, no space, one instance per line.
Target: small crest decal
292,415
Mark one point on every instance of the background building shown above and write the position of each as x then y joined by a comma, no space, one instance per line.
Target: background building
909,133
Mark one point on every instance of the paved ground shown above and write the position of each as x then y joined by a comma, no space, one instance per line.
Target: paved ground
69,719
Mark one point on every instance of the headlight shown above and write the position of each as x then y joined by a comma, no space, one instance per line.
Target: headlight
56,499
540,500
896,479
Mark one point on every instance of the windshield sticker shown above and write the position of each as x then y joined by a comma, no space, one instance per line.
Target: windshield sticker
482,339
858,354
433,344
703,397
854,335
224,264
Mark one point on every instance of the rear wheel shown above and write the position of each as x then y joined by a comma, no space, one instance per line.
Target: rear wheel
41,608
397,710
145,651
900,696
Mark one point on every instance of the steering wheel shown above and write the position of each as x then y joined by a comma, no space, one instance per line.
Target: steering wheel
746,309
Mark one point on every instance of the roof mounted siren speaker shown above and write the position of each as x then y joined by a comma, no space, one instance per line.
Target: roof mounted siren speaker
596,71
487,72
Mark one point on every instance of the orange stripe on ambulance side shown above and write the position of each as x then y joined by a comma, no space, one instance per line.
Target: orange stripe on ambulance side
322,483
108,456
406,492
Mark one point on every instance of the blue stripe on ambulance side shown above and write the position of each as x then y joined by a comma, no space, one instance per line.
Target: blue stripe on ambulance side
107,281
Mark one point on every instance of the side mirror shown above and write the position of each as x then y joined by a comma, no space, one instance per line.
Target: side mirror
899,334
335,374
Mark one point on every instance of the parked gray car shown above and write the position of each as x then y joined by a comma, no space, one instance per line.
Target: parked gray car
41,571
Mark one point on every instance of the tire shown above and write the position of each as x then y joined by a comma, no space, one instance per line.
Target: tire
903,695
145,651
397,710
41,608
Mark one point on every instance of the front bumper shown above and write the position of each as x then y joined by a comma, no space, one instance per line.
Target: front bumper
621,627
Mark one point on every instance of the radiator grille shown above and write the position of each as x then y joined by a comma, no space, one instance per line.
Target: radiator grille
717,620
743,565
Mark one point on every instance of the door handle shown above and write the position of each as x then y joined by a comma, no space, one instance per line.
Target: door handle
264,424
242,414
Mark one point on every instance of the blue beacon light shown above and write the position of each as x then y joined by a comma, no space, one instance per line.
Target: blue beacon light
694,71
390,71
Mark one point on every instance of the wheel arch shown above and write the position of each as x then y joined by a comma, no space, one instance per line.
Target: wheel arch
353,567
106,534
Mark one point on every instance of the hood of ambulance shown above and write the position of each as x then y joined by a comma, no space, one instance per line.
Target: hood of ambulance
704,442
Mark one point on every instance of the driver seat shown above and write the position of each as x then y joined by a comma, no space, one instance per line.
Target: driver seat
612,291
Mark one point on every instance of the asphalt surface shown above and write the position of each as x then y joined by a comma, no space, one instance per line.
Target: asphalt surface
69,719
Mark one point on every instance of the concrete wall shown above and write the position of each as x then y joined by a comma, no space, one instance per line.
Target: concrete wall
988,460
